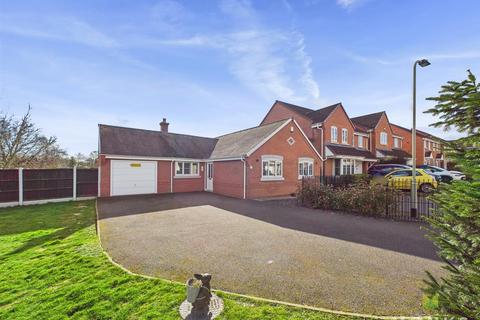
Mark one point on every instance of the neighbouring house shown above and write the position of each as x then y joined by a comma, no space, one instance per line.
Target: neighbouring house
350,145
265,161
344,146
385,143
429,148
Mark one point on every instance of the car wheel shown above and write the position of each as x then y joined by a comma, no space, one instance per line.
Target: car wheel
426,187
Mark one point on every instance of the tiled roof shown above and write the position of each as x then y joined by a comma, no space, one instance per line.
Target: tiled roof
419,132
359,128
316,116
339,150
148,143
239,143
368,121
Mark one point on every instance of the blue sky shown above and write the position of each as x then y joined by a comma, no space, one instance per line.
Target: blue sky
212,67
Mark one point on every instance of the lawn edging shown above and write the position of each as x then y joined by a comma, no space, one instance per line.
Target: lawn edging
254,298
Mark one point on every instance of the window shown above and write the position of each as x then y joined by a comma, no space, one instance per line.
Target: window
348,166
344,136
334,137
383,138
272,168
305,167
186,168
396,142
360,141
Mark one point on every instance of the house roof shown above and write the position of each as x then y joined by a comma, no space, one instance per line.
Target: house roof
339,150
148,143
239,143
395,153
419,132
316,116
368,121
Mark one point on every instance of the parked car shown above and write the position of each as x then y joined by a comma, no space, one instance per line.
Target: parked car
444,177
455,175
402,180
381,170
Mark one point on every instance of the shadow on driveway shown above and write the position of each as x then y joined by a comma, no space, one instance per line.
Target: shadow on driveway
402,237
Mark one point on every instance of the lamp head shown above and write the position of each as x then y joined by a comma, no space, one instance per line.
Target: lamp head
423,63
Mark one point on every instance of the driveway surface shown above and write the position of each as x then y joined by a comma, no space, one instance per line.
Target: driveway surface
293,254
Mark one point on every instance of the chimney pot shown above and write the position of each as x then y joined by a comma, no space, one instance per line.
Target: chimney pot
164,125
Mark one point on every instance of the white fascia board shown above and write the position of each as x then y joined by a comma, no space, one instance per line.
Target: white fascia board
249,153
123,157
317,125
308,140
225,159
360,134
399,137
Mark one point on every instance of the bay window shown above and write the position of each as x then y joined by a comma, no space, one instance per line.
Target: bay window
272,167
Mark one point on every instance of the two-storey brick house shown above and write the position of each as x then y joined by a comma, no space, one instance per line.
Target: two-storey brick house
386,143
345,148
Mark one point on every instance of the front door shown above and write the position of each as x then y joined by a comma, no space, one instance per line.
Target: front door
209,185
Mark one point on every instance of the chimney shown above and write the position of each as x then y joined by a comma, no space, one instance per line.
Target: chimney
164,125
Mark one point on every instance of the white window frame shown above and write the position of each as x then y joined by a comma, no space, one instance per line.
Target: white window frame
344,136
334,134
360,141
383,138
182,165
396,142
305,167
347,167
277,163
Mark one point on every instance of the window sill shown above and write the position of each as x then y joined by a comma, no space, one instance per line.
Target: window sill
187,176
301,177
272,179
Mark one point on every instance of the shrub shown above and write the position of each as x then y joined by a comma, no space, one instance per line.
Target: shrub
360,197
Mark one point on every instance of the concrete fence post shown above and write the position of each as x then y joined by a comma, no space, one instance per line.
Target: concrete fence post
20,186
74,183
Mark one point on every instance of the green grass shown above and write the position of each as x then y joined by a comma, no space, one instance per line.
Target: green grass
52,267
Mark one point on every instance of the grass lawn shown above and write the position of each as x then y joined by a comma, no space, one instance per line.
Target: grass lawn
52,267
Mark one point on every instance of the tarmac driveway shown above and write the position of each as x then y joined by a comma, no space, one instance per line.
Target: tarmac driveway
293,254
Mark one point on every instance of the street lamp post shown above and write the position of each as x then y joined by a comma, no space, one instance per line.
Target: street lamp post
413,211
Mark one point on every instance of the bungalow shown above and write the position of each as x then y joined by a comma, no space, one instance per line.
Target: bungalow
264,161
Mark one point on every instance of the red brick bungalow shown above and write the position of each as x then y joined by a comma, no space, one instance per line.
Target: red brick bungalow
264,161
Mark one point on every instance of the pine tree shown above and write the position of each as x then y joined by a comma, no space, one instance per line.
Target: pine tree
456,230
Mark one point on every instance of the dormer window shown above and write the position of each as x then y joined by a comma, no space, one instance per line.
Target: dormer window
334,134
383,138
344,136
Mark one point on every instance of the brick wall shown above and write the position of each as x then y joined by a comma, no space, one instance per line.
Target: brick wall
278,145
382,126
104,165
339,119
280,112
228,178
163,176
189,184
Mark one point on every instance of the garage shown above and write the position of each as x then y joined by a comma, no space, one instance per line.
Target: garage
133,177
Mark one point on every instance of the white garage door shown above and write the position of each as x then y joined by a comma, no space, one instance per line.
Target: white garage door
133,177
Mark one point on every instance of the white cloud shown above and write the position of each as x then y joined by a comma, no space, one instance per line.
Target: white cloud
272,63
346,3
67,29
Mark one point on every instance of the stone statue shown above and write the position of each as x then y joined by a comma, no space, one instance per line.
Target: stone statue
201,305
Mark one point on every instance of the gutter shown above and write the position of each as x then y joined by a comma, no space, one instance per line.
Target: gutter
244,176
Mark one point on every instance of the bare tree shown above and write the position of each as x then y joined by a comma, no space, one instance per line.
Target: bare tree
23,145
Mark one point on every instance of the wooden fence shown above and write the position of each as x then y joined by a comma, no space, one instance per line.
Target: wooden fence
23,186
